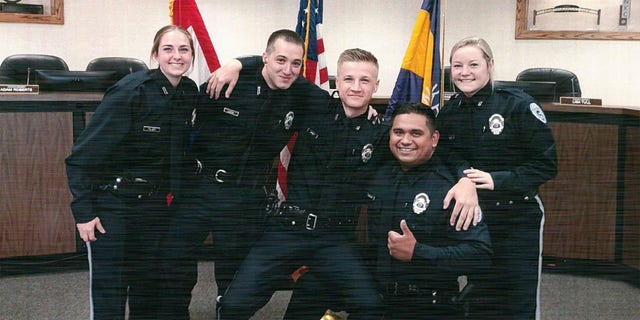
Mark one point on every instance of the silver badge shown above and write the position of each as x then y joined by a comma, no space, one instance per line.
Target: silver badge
288,120
537,112
367,152
496,124
420,203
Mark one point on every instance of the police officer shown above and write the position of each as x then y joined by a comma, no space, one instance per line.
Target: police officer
419,254
503,136
332,157
234,145
121,170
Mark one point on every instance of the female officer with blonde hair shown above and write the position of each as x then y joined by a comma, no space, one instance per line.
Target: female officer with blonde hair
503,136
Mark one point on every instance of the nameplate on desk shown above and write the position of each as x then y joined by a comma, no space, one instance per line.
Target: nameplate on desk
19,89
581,101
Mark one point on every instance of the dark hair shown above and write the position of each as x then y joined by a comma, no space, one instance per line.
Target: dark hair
167,29
286,35
417,108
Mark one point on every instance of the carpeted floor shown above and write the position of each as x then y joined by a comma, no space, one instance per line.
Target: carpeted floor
63,296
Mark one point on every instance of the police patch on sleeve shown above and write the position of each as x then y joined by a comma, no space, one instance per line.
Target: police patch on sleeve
288,120
537,112
496,124
420,203
367,152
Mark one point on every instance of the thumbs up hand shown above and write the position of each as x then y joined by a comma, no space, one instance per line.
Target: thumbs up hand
401,245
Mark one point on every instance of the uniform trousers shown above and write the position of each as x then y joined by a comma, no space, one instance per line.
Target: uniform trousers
125,259
232,215
328,254
510,289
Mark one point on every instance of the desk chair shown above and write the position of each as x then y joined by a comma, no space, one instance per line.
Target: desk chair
567,84
121,65
15,68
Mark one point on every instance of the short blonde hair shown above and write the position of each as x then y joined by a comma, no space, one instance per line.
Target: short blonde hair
357,55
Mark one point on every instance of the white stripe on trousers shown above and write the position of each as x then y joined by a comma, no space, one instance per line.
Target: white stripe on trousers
539,257
89,258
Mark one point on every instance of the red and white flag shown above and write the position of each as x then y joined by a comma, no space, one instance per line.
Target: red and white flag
309,27
185,13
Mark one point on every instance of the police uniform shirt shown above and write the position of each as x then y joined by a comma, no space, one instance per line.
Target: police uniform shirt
500,131
139,125
244,133
332,158
441,253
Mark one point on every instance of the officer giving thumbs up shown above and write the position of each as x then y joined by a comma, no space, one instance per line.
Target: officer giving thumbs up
401,245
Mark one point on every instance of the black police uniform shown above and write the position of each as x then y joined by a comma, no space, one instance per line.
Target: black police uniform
121,170
504,132
424,287
332,157
235,144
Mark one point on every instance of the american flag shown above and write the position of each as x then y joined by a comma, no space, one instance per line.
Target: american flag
419,77
309,27
185,13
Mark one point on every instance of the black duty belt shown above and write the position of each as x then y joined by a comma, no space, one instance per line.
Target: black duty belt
131,187
401,289
213,174
508,201
295,216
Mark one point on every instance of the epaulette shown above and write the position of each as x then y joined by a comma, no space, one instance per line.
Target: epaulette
514,92
135,79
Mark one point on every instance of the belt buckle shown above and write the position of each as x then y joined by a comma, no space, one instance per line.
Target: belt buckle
217,175
310,224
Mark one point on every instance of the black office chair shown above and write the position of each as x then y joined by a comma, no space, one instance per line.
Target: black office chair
447,82
15,68
121,65
567,84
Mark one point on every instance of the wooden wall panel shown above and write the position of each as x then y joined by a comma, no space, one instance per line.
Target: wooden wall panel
35,218
631,229
581,201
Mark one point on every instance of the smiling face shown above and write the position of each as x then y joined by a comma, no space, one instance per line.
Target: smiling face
282,64
174,55
411,141
470,69
356,82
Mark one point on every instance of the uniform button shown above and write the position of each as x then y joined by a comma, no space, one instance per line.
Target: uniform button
526,198
293,223
434,301
510,201
497,203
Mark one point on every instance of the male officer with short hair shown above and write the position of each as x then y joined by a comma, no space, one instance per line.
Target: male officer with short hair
235,141
419,254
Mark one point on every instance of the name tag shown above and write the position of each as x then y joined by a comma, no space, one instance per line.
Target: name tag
231,112
150,129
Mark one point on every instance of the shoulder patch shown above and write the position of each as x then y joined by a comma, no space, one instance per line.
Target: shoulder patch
537,112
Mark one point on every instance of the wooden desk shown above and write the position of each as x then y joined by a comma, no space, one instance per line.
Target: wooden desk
593,205
37,132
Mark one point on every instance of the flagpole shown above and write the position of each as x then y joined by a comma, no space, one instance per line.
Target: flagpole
306,39
442,55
